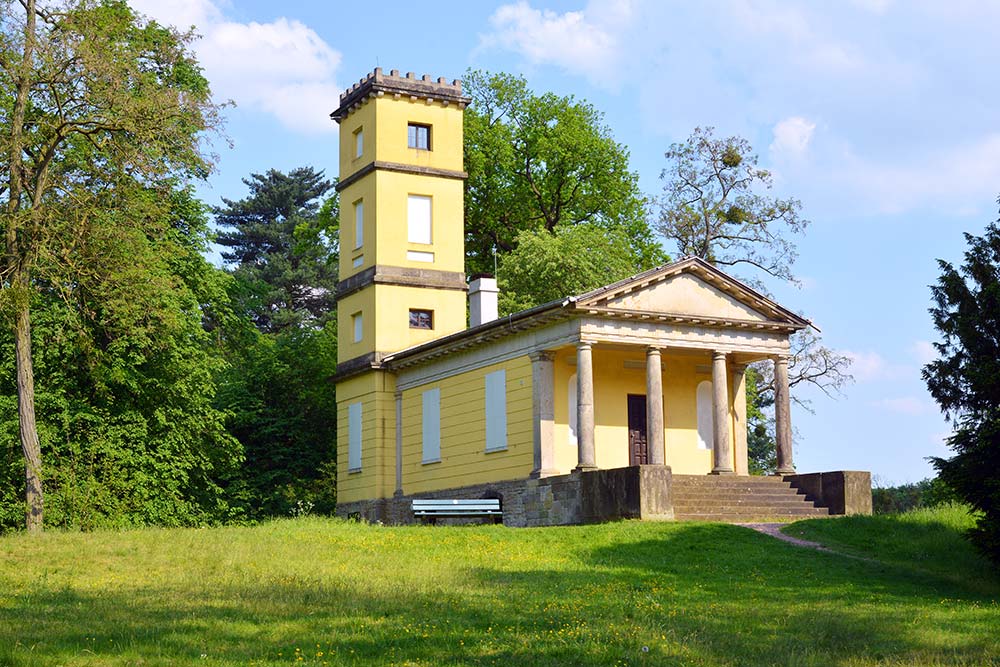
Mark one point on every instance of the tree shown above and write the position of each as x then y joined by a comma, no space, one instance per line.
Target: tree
541,162
714,207
284,258
277,387
94,98
545,266
126,376
965,380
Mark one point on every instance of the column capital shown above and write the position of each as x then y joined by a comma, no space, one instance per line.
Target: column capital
717,354
780,358
652,350
542,355
584,345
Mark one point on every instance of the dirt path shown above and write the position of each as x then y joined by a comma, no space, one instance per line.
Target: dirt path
774,530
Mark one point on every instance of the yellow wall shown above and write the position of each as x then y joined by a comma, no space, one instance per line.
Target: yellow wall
464,460
392,118
447,221
613,382
375,391
386,318
363,190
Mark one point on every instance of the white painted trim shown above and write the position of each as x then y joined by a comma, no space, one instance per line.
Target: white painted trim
487,354
417,256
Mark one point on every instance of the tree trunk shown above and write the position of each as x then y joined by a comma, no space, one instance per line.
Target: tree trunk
26,415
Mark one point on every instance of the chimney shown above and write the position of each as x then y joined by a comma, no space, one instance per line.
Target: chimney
482,299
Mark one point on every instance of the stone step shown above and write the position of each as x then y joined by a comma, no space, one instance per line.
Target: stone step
743,502
737,493
807,509
714,479
741,483
743,518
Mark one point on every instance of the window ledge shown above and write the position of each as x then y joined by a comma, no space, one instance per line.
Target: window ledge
491,450
431,461
351,471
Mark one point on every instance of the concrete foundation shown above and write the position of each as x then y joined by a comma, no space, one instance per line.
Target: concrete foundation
636,492
842,491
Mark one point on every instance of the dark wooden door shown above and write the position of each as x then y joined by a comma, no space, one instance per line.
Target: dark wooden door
638,452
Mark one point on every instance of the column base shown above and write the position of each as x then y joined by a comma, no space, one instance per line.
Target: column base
584,468
538,474
722,472
784,471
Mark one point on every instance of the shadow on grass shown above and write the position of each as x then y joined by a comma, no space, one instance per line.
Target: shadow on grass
701,594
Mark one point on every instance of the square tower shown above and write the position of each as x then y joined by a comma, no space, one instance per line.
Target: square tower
402,253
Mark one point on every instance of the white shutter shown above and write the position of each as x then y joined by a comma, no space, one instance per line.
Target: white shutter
706,416
354,437
432,426
419,219
496,411
359,224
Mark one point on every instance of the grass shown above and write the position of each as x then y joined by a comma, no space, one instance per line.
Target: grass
313,591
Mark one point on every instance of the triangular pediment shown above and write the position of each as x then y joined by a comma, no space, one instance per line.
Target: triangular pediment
685,294
689,288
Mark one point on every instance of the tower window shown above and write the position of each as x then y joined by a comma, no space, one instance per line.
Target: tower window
421,319
418,213
359,142
358,324
419,136
359,224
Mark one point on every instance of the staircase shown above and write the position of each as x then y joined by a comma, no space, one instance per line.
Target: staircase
737,499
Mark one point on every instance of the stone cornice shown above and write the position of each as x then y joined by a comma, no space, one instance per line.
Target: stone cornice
689,320
382,274
399,168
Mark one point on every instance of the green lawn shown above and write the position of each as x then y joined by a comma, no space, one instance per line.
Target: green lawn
314,591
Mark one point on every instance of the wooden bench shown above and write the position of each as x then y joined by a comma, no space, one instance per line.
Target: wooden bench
428,509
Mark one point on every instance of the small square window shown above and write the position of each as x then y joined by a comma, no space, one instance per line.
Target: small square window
359,142
421,319
419,136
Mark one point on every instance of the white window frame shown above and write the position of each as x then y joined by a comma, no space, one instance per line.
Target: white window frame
359,142
419,219
359,223
431,426
496,410
354,425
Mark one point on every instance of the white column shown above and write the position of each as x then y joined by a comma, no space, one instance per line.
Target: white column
585,408
654,407
783,417
543,413
740,419
720,414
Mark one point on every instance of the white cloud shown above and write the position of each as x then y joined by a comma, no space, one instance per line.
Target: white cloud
583,42
923,351
283,68
907,405
792,136
871,366
970,171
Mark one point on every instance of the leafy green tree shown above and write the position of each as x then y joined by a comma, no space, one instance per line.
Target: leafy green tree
762,455
283,252
545,266
965,380
126,386
277,388
543,162
94,100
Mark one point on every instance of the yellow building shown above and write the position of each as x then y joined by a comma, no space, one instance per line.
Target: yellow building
645,375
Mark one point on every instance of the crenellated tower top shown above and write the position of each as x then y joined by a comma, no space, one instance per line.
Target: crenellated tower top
377,84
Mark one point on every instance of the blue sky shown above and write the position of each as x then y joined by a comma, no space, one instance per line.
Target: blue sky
879,115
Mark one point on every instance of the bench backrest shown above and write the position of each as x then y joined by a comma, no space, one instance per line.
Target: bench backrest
437,506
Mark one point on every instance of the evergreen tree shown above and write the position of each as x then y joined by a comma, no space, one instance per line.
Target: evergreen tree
965,380
284,258
277,388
